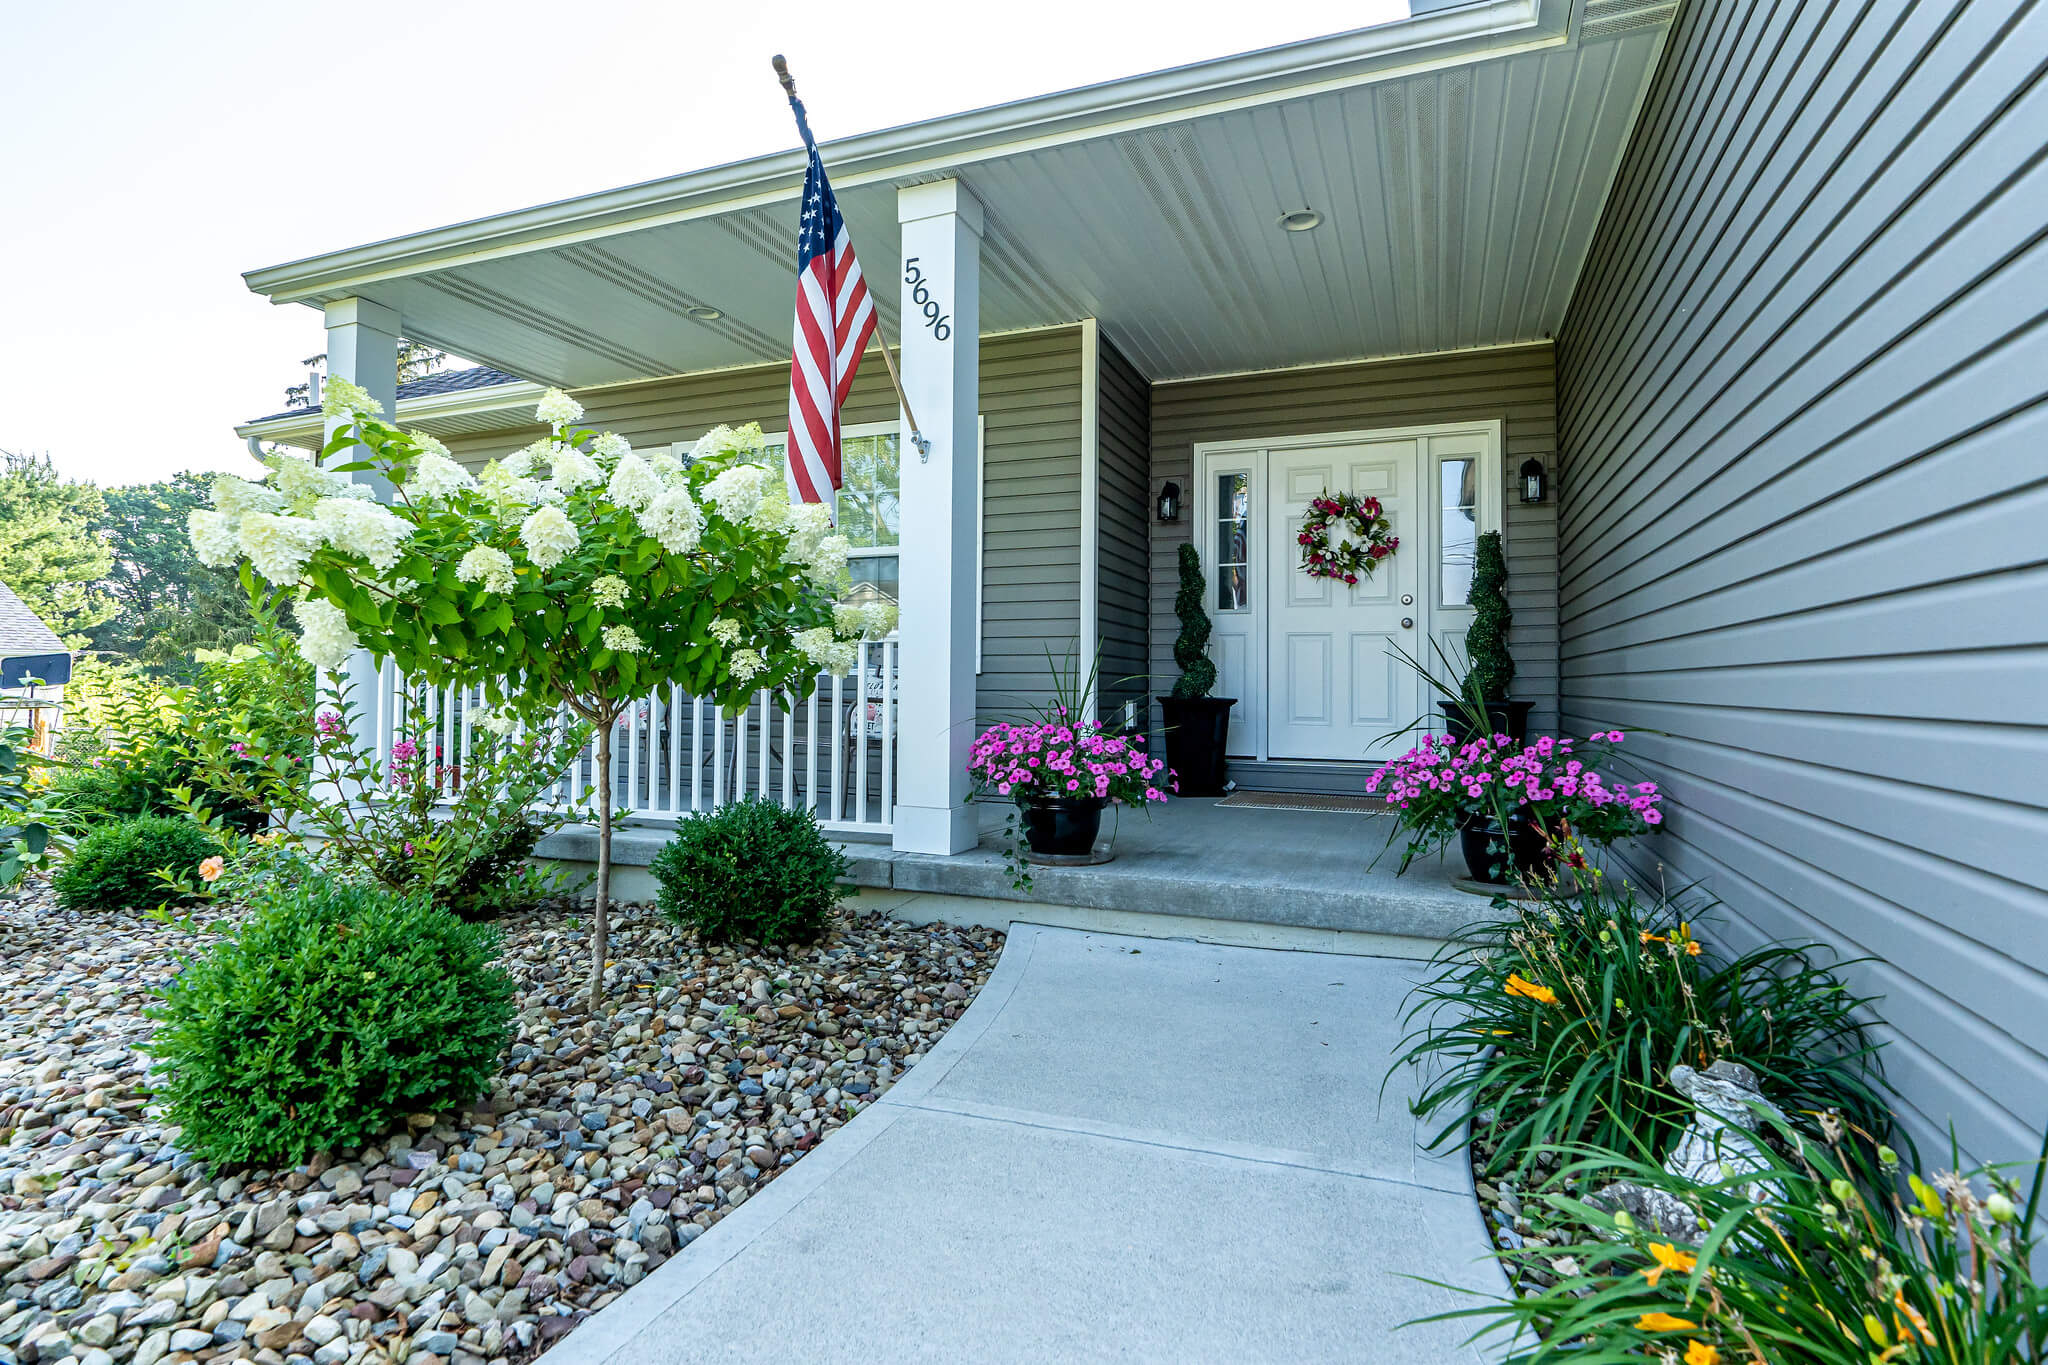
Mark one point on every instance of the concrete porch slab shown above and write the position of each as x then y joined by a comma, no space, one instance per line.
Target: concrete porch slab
1126,1149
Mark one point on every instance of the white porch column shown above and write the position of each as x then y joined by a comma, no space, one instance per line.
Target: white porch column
941,347
362,347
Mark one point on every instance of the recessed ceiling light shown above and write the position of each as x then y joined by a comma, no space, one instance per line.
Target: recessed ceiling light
1301,220
704,312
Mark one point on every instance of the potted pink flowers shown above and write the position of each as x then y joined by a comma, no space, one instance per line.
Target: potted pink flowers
1510,804
1061,772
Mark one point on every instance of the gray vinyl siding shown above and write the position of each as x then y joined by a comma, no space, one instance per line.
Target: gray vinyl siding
1031,408
1803,425
1514,385
1124,424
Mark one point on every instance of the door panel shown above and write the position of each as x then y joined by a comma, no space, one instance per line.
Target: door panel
1334,691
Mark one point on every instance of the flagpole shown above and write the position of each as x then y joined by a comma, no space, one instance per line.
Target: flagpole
917,438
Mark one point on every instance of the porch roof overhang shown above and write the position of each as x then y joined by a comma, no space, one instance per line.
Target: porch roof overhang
1459,160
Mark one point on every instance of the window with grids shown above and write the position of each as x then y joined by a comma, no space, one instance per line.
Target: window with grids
867,510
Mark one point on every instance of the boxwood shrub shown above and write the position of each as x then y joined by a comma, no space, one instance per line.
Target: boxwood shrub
751,870
330,1015
115,867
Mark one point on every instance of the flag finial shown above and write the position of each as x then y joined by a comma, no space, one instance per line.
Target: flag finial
782,74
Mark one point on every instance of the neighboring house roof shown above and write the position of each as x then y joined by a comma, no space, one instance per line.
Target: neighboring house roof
446,381
24,632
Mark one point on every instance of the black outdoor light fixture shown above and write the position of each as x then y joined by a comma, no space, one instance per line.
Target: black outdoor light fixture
1534,484
1169,502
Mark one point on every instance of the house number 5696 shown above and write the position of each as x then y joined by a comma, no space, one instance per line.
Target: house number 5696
935,316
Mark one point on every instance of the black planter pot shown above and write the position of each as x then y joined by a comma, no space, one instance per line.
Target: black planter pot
1479,840
1510,718
1197,736
1063,829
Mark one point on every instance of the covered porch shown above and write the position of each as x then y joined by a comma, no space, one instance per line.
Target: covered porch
1368,237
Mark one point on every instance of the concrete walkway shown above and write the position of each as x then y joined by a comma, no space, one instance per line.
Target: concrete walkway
1126,1149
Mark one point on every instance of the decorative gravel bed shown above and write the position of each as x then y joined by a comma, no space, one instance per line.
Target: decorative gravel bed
481,1236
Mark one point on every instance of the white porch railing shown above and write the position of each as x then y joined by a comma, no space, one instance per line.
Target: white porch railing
832,753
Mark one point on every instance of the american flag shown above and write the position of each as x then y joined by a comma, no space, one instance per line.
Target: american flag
834,319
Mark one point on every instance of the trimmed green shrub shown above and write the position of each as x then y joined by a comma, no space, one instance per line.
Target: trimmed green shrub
1191,646
751,870
1486,643
326,1019
116,866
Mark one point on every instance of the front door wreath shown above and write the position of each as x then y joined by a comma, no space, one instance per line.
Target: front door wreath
1369,541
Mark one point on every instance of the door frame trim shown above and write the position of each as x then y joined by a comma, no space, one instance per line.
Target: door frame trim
1252,450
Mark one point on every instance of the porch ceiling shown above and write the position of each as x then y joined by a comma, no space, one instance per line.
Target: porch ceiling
1459,190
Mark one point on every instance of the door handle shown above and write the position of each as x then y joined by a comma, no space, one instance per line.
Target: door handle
1407,623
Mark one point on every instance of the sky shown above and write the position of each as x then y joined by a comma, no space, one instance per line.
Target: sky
154,152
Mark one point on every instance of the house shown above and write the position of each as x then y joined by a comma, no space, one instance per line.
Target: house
1759,288
35,664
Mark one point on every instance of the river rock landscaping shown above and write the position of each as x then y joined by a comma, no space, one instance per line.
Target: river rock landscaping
604,1146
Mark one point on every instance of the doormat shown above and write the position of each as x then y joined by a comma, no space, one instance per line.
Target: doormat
1341,805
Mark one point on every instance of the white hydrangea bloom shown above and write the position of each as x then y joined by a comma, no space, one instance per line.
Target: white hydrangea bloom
726,631
498,722
436,476
519,464
736,492
557,408
666,465
340,398
548,536
302,483
674,519
213,538
238,497
712,442
816,644
865,620
774,512
746,664
609,591
506,485
324,637
841,657
622,640
634,483
278,547
361,528
428,445
574,470
827,563
490,565
611,446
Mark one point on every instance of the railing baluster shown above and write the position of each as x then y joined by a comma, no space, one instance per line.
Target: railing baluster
811,750
860,743
838,743
697,753
888,756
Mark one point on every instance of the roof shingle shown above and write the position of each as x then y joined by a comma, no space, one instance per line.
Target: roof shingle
445,381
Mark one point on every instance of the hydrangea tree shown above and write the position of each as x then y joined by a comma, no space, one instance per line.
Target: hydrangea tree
574,573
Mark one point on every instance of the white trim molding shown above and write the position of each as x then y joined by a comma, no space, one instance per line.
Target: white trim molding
1089,643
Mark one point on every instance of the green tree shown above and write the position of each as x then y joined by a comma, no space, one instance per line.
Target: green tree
1191,646
169,603
1486,643
50,552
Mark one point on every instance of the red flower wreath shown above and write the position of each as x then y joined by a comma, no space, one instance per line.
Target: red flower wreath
1370,544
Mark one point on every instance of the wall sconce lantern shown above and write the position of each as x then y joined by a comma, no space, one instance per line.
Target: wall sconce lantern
1534,484
1169,502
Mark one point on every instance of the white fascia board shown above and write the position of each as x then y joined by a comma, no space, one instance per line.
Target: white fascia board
411,411
1488,28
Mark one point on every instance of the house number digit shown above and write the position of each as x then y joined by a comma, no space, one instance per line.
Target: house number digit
935,316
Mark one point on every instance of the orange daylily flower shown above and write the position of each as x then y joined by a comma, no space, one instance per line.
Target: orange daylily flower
1919,1322
1668,1258
1663,1322
1517,985
1702,1353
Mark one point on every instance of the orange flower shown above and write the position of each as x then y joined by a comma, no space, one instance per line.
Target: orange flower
1668,1258
1518,986
1663,1322
1692,945
1700,1353
211,869
1919,1322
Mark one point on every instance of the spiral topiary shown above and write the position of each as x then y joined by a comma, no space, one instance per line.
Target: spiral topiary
1486,643
1191,647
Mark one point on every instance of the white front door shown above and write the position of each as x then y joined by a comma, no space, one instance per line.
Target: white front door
1335,689
1311,661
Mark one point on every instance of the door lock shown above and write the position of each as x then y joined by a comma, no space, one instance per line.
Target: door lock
1407,599
1407,623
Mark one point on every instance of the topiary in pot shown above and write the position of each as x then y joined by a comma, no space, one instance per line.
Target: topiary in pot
751,870
325,1020
115,867
1197,724
1490,668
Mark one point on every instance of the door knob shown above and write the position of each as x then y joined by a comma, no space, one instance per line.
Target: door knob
1407,623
